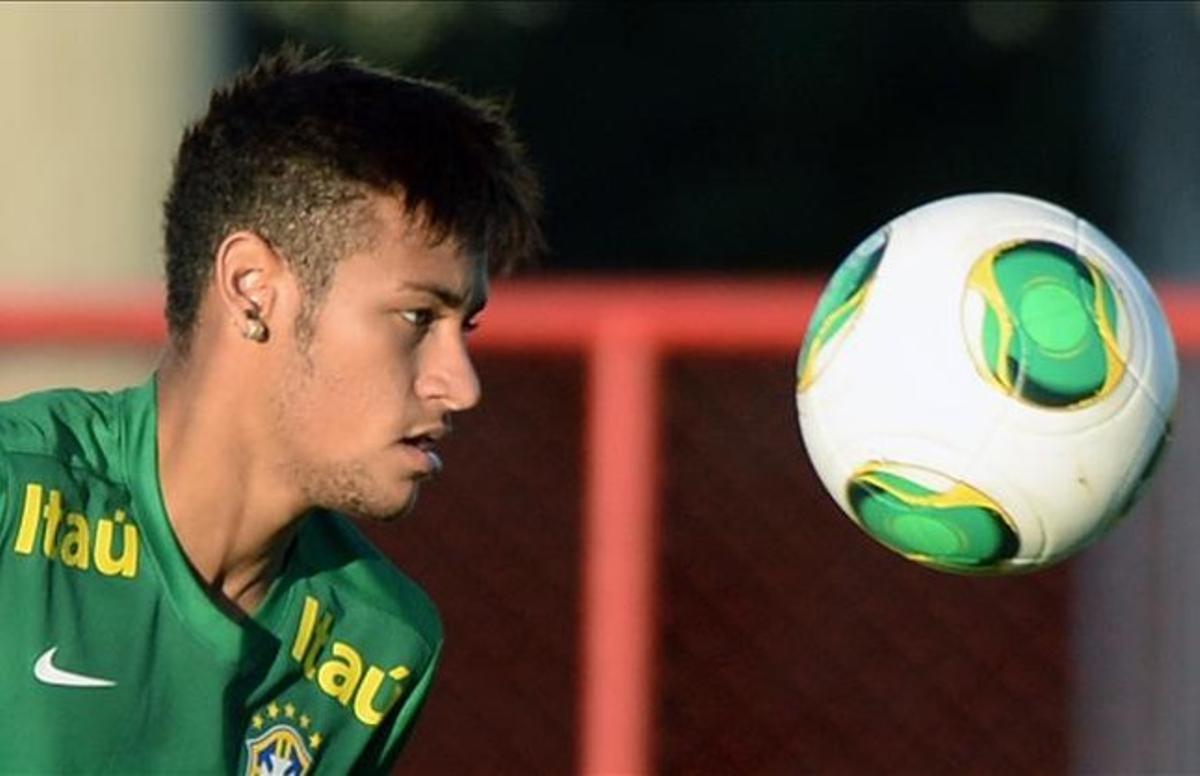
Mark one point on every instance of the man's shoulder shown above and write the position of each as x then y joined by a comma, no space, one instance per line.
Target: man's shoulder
336,553
75,426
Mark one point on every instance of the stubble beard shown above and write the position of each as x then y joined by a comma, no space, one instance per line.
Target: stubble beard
348,488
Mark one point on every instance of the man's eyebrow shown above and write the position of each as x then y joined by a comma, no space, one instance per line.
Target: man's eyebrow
448,296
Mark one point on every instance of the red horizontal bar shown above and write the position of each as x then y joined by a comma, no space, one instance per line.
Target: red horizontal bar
134,317
708,314
712,314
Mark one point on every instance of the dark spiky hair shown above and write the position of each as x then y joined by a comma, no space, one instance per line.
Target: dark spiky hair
292,149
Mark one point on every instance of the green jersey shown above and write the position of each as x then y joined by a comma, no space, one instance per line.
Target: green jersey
113,659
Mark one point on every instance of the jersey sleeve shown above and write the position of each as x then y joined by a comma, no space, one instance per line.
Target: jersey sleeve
380,756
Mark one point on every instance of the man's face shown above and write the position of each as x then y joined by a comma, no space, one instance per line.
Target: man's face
362,404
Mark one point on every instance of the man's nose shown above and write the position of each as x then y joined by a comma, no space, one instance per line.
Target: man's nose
449,376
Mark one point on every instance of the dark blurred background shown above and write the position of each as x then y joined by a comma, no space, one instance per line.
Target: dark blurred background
771,136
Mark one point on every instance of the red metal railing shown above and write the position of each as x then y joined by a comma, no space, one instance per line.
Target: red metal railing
624,328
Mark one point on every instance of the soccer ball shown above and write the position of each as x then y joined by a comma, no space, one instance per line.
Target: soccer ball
986,383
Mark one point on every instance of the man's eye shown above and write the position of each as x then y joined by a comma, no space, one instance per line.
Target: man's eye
419,318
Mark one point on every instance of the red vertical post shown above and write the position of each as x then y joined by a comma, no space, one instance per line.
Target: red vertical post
620,551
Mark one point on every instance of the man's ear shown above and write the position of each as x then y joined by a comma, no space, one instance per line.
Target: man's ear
248,275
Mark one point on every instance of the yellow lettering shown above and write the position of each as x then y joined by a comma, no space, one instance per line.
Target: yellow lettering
76,548
53,513
364,701
76,543
308,618
106,564
320,637
339,675
27,534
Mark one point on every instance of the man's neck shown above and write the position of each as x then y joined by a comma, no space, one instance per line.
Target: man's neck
231,514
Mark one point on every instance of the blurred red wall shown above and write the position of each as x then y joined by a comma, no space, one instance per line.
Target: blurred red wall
789,642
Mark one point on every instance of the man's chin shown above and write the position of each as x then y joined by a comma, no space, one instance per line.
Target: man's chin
388,510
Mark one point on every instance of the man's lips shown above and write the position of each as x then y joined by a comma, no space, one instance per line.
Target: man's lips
422,446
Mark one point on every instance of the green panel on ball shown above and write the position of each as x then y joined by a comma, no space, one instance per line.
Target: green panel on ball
1049,327
993,341
957,529
839,303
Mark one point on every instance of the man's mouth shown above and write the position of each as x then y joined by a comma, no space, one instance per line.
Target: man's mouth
425,443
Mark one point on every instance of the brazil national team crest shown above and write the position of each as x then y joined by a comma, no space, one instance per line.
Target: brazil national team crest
280,742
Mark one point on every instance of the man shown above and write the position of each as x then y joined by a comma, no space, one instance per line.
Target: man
181,588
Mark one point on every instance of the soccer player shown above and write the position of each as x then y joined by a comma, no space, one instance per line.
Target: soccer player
181,587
